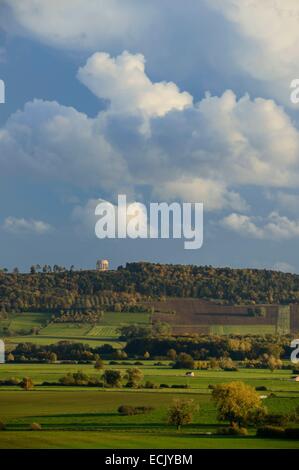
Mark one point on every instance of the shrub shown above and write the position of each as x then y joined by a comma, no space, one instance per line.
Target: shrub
276,419
149,384
138,363
184,361
270,431
179,386
127,410
292,433
35,427
233,430
2,426
9,382
261,388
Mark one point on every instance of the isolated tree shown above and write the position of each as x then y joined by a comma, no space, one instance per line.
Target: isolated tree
134,377
112,378
27,384
226,363
134,331
99,364
120,354
53,357
161,329
273,363
181,412
146,355
171,354
10,357
237,403
184,361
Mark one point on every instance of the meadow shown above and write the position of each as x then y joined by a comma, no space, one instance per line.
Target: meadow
80,417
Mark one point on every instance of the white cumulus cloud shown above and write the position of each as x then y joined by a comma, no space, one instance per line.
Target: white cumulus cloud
273,227
26,226
269,30
123,81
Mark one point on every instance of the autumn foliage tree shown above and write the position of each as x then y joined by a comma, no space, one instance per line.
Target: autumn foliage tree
180,413
238,403
27,384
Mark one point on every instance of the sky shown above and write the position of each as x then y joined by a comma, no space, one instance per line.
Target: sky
175,101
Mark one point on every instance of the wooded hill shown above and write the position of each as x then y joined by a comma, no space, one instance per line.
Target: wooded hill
132,286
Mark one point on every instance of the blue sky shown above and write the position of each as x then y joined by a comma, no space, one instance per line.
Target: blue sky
162,101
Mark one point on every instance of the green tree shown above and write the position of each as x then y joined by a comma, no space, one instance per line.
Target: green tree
146,355
180,413
99,364
184,361
171,354
134,377
112,378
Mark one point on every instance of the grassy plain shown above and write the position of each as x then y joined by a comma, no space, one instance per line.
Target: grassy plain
80,417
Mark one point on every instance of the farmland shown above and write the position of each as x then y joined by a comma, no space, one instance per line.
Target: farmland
106,332
83,325
88,418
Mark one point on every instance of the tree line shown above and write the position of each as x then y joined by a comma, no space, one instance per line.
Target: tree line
126,288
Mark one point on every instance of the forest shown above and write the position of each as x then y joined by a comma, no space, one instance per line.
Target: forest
70,292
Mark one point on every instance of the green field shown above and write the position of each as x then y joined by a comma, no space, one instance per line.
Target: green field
242,329
81,417
88,418
25,321
133,440
106,332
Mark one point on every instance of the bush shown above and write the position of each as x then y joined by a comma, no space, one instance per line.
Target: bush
149,384
35,427
114,363
164,386
292,433
276,419
233,430
127,410
9,382
2,426
138,363
270,431
261,388
184,361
